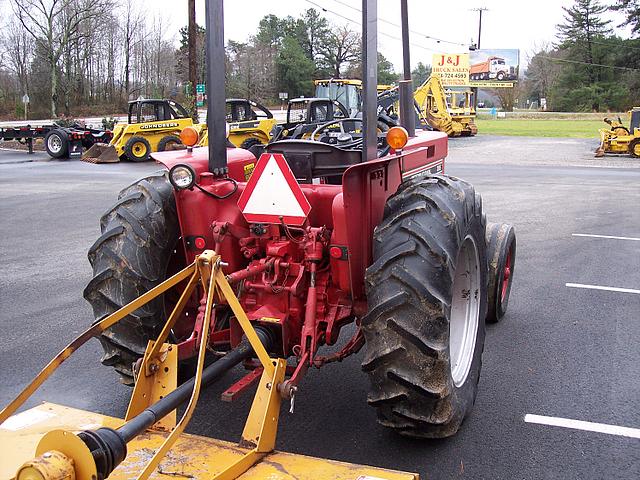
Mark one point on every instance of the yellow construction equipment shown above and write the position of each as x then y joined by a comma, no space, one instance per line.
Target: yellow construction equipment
250,123
152,126
620,139
448,111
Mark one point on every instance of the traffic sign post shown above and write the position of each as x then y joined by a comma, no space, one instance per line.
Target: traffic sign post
273,195
200,89
25,100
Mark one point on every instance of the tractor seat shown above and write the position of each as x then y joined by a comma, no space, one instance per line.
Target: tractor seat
308,159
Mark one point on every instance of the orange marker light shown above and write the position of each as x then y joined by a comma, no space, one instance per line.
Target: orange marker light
189,136
397,137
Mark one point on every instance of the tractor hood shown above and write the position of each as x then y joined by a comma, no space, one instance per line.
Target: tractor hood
198,158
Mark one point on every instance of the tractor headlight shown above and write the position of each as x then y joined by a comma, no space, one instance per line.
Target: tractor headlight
182,176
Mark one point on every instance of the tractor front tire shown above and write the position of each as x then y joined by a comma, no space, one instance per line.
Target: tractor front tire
137,149
139,234
427,298
501,252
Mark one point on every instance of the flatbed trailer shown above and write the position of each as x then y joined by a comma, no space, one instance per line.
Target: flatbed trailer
59,142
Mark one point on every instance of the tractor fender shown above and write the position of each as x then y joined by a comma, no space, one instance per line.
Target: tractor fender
367,186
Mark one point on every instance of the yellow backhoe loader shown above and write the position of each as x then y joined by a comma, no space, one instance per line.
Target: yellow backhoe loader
620,139
448,111
152,126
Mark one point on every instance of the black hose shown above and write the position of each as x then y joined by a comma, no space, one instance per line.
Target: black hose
164,406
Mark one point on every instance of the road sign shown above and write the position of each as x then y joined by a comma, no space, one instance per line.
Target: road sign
273,193
283,95
200,88
25,98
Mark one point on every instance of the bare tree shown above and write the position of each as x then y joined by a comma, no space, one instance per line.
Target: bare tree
54,25
342,48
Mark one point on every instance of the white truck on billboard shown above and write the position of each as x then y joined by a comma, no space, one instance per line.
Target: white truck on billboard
493,67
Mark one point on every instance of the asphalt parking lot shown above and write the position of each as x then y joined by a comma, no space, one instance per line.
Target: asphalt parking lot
568,348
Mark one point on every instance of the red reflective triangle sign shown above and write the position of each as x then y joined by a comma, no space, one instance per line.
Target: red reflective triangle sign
272,193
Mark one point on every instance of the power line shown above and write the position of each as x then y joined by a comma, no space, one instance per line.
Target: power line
587,63
350,20
439,40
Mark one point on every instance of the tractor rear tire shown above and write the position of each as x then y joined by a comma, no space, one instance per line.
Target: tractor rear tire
634,147
168,141
131,256
137,149
427,297
501,252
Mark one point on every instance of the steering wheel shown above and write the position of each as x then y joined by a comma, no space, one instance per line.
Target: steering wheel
382,147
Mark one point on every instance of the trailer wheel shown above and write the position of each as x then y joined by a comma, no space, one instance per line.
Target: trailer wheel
501,252
137,149
168,143
634,147
56,142
139,236
427,294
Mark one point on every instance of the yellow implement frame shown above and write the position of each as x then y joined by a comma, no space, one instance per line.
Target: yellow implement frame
60,449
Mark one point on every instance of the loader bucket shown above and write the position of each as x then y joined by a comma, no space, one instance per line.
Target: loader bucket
101,153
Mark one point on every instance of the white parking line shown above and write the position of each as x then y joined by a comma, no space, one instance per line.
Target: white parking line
580,425
605,236
599,287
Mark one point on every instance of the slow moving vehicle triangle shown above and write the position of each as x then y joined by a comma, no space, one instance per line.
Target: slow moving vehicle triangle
272,194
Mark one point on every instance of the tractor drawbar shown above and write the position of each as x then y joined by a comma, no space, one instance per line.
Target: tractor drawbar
109,446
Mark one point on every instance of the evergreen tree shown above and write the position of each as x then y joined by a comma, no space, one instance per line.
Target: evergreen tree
582,25
631,10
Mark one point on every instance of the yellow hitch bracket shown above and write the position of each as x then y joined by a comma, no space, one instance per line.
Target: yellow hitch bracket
151,388
262,424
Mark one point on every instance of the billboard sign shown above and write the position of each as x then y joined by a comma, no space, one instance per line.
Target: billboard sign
493,68
452,68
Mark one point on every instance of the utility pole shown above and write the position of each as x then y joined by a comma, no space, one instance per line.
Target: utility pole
479,10
475,89
191,40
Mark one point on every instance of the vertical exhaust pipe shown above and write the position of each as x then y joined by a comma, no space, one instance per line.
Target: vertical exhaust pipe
215,58
369,78
407,113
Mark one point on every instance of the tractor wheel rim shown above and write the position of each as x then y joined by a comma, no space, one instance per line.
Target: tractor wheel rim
506,277
465,311
54,143
636,149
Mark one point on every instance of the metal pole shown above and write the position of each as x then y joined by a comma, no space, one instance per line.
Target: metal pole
480,27
191,41
407,112
216,122
369,78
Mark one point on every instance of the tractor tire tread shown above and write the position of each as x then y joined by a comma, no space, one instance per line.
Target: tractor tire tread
128,259
409,293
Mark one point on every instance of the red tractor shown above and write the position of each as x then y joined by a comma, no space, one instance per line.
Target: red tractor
316,235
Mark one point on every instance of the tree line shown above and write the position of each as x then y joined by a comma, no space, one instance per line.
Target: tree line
77,57
590,67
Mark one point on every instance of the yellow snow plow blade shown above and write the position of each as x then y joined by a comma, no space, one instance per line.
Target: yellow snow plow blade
101,153
192,456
